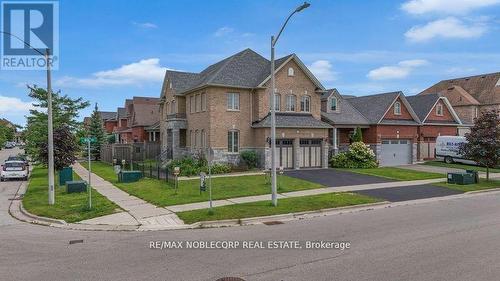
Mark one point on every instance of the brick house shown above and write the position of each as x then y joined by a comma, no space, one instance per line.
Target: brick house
225,108
471,95
108,119
136,120
398,129
437,117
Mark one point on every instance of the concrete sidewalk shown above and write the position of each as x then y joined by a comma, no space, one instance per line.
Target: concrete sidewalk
444,170
138,211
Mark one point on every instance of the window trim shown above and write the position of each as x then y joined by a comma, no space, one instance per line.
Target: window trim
303,103
398,107
291,72
336,104
439,109
277,102
203,101
234,106
192,104
233,145
288,107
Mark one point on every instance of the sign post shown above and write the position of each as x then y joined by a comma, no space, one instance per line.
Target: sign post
210,159
89,140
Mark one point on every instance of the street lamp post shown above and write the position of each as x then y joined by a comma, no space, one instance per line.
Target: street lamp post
274,196
49,116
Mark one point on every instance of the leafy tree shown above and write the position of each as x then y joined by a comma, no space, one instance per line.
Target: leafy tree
64,112
65,148
96,130
483,142
358,135
111,138
6,134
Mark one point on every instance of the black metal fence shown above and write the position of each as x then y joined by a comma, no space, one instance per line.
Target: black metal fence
154,170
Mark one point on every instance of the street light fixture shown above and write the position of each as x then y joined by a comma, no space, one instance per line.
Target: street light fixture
274,196
49,117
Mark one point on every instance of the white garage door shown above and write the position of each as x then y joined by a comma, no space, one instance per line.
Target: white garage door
395,152
311,153
284,153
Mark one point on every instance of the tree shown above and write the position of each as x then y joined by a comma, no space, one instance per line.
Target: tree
483,142
6,134
64,112
65,148
96,130
357,136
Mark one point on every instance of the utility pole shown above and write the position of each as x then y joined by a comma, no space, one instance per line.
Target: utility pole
90,173
50,130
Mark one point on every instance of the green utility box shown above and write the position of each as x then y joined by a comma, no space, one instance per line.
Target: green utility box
76,186
460,178
66,174
475,175
129,176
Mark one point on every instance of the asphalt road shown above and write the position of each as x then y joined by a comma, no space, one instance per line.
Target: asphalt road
453,239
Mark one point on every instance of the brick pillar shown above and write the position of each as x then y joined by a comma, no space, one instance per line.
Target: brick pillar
297,153
176,133
324,150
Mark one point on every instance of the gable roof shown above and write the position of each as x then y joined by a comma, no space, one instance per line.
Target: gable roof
347,115
374,107
485,88
246,69
121,112
107,115
424,104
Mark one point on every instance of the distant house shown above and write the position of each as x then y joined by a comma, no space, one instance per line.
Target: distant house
396,127
226,106
471,95
108,119
136,121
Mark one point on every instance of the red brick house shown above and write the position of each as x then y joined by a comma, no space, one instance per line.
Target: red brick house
136,121
391,126
108,120
438,118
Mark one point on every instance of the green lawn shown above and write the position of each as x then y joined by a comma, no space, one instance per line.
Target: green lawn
160,193
460,166
285,206
482,185
69,207
397,173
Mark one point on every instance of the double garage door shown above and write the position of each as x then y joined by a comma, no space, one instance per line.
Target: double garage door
310,150
395,152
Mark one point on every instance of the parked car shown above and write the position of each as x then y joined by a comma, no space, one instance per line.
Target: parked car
14,170
448,149
9,145
19,158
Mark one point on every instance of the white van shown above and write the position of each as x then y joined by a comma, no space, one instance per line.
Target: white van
447,149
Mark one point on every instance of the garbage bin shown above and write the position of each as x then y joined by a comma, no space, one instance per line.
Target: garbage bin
130,176
460,178
76,186
66,174
475,175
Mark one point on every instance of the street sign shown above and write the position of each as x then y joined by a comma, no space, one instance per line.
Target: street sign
87,139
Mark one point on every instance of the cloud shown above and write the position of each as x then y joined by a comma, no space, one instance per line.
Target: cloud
455,7
449,28
223,31
399,71
323,70
146,25
14,106
144,71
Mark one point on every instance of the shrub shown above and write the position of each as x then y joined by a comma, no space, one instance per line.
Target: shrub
250,158
359,155
193,167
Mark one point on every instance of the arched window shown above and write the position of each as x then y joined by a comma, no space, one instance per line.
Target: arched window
291,71
397,108
305,104
333,104
291,100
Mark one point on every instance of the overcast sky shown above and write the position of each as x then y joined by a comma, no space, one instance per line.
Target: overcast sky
113,50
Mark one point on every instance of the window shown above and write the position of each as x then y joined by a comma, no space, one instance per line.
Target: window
397,108
198,103
167,106
203,102
291,72
203,139
191,104
232,141
172,109
290,102
196,138
277,102
439,109
333,104
233,101
305,104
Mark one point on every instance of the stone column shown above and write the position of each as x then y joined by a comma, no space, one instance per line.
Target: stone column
324,158
297,153
175,143
334,141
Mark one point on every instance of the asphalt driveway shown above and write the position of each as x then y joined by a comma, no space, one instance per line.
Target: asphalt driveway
405,193
334,177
